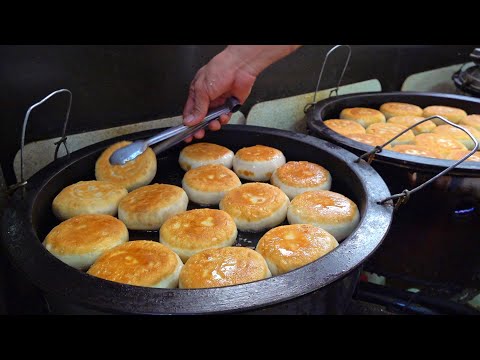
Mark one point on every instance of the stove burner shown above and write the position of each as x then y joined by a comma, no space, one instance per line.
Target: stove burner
468,80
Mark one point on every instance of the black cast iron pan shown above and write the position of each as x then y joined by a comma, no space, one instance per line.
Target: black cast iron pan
330,109
29,218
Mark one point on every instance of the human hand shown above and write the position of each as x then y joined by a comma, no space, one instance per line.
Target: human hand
211,86
231,73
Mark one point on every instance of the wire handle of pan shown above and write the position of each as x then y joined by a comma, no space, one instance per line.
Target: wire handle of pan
314,102
403,197
63,139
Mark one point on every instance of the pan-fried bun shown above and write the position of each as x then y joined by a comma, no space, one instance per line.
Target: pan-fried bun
459,135
80,240
199,154
208,184
256,206
223,267
296,177
460,154
88,197
196,230
364,116
344,127
370,139
286,248
441,143
389,130
133,174
471,120
148,207
329,210
392,109
141,263
453,114
427,126
257,163
417,150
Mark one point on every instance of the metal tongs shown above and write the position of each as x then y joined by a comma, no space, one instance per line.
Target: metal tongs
174,135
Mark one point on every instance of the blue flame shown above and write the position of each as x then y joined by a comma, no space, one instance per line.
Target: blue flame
464,211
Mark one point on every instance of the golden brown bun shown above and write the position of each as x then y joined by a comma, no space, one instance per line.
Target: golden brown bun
344,127
133,174
441,143
370,139
364,116
257,163
208,184
392,109
223,267
79,241
148,207
471,120
296,177
459,154
389,130
88,197
459,135
141,263
258,153
196,230
289,247
417,150
199,154
426,127
256,206
329,210
455,115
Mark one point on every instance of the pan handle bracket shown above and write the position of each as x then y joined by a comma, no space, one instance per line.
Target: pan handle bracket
402,198
314,102
370,155
63,139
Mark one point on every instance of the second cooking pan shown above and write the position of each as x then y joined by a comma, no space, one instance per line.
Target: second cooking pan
433,235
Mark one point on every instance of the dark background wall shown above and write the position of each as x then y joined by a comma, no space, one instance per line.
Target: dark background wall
114,85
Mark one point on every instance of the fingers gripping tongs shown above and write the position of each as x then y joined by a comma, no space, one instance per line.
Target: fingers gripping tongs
172,136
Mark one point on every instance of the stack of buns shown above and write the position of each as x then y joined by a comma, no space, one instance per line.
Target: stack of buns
432,138
196,247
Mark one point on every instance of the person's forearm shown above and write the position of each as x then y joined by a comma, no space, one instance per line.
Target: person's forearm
254,59
230,73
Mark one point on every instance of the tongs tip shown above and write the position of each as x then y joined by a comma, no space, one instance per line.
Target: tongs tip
128,153
174,135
